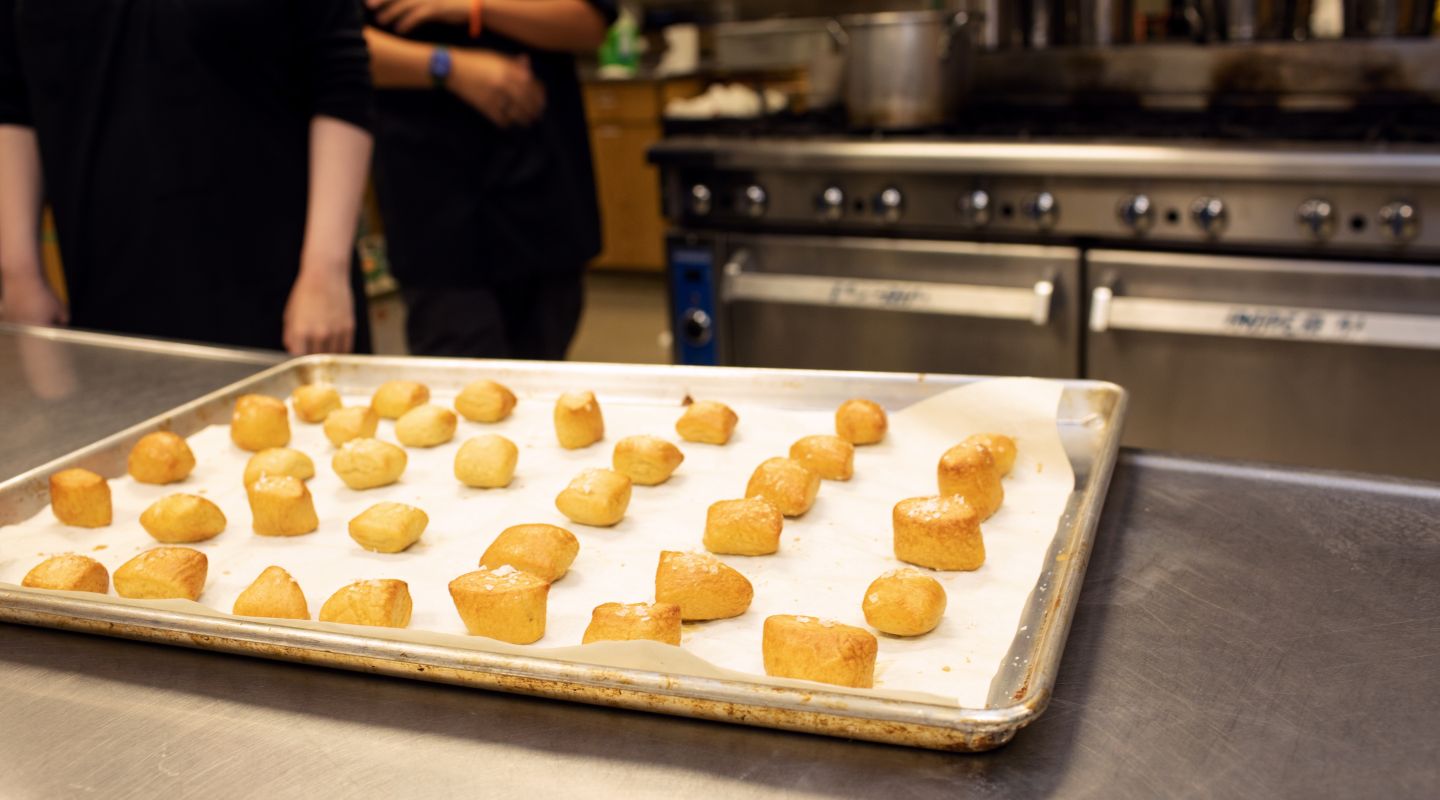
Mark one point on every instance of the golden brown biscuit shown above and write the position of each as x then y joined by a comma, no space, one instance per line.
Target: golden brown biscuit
160,457
707,422
426,426
313,402
578,421
281,506
749,527
182,519
163,573
786,483
273,594
81,498
702,585
383,603
619,622
969,471
821,650
904,602
369,463
1002,447
596,497
394,398
259,422
485,401
279,461
646,460
388,527
860,422
486,462
504,604
544,551
831,457
355,422
69,573
938,532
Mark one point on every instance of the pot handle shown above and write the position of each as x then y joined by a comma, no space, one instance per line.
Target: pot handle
959,25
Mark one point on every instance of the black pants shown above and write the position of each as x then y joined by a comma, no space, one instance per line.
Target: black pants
533,319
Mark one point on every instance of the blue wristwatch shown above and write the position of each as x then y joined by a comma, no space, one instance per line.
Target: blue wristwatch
440,66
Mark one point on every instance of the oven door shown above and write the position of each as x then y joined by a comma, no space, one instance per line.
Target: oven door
899,305
1329,364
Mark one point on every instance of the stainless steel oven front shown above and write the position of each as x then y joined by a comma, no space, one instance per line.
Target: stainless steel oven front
913,305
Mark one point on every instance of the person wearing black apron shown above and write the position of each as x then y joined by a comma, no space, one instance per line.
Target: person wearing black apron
205,164
483,169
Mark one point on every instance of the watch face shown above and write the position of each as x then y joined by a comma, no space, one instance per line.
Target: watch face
440,64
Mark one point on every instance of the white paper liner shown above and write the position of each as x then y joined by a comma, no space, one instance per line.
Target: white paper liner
827,557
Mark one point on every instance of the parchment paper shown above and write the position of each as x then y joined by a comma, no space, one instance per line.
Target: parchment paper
827,557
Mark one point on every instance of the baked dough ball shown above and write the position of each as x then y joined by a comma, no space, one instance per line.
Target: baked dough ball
619,622
485,401
163,573
281,506
383,603
426,426
969,471
646,460
831,457
578,422
860,422
368,463
707,422
786,483
273,594
394,398
183,519
819,650
938,532
702,585
81,498
544,551
904,602
596,497
279,461
160,457
69,573
313,402
388,527
1002,447
259,422
355,422
504,604
486,461
749,527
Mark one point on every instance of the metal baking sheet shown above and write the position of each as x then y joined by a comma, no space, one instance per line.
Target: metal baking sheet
1090,418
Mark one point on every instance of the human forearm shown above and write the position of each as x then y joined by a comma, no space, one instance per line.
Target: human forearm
20,196
339,162
572,25
397,63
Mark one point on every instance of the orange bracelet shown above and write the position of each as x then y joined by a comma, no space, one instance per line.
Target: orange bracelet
475,7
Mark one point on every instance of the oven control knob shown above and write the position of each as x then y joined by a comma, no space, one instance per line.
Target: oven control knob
753,200
890,204
976,207
1137,213
696,327
1043,209
701,201
1400,220
831,202
1210,215
1317,218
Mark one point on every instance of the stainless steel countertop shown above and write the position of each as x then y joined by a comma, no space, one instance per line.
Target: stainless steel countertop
1243,631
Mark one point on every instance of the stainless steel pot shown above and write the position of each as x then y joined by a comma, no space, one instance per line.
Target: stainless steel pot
904,69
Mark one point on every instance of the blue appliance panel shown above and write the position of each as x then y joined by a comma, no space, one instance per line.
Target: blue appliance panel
693,304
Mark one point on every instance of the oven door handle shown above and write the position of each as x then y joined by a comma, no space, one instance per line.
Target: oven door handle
1111,312
1032,304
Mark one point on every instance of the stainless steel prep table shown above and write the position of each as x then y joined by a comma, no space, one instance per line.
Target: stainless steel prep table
1242,632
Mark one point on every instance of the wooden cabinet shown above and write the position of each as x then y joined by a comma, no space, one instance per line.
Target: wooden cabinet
624,121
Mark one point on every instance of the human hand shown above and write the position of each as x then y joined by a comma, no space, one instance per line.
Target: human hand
28,300
320,314
500,87
404,15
